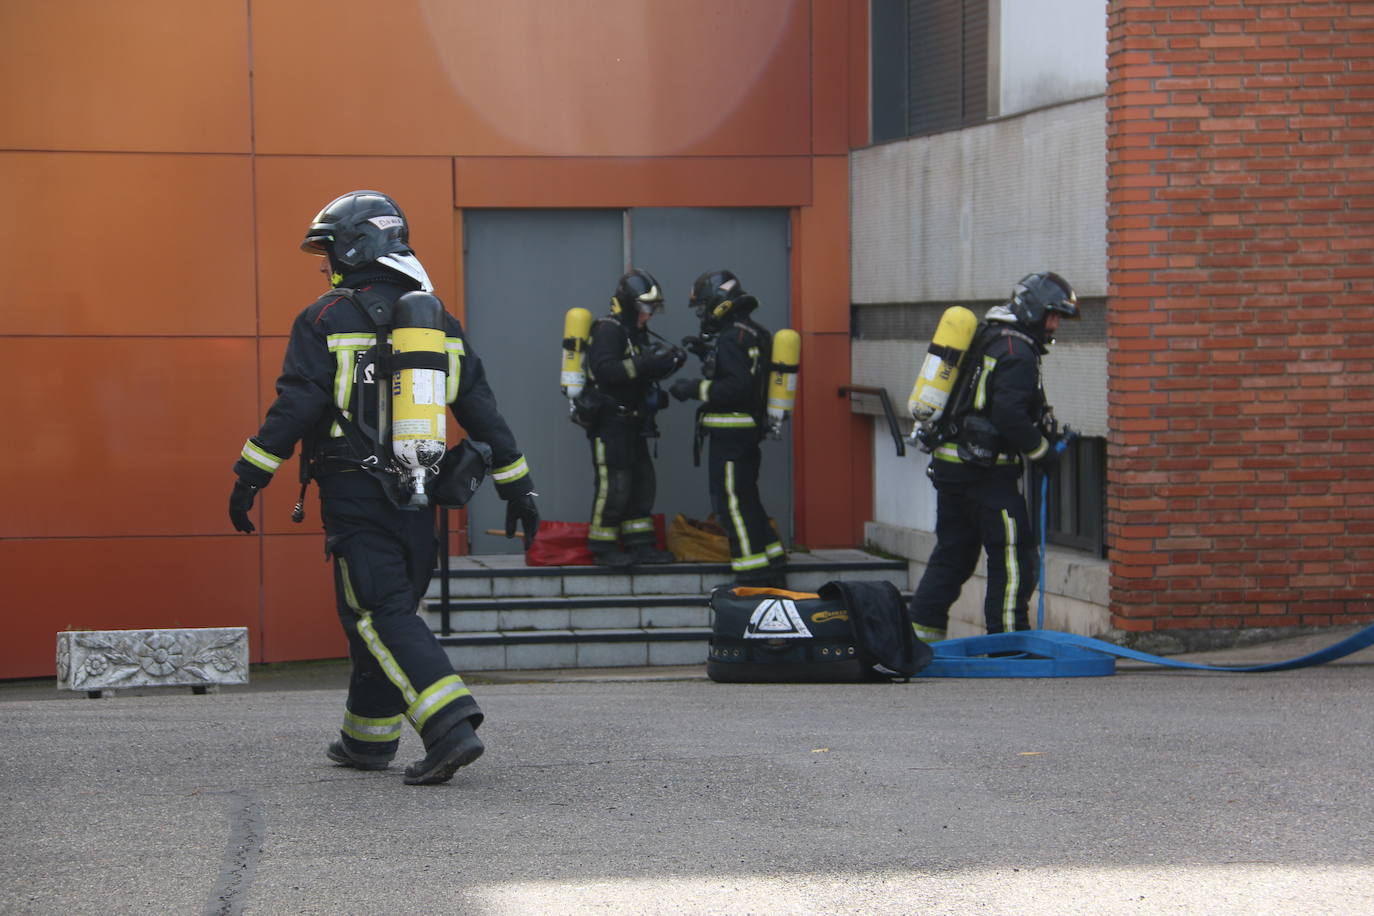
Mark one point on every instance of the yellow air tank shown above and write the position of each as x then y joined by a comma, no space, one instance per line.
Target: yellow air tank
953,335
419,384
782,378
577,324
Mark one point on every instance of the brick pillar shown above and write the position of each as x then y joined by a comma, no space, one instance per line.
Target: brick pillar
1241,312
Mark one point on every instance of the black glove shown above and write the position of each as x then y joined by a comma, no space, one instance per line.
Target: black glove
1048,463
240,502
679,358
684,389
696,346
522,509
658,361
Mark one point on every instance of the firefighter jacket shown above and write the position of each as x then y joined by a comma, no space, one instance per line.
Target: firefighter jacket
616,365
331,362
733,390
1007,389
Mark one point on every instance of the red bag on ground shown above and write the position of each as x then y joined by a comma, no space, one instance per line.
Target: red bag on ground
559,544
565,543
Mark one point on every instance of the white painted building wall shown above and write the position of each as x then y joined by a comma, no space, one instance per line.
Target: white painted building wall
1051,51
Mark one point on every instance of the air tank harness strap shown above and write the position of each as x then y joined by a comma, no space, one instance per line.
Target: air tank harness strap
419,359
366,449
950,355
313,455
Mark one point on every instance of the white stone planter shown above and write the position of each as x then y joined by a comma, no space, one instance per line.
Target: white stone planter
101,660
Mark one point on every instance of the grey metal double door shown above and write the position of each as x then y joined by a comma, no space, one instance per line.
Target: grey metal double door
523,269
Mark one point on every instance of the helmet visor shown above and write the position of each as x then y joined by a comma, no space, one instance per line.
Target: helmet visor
1065,301
316,241
649,302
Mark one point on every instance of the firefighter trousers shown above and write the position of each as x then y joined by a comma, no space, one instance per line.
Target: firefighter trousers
383,560
987,515
733,464
624,487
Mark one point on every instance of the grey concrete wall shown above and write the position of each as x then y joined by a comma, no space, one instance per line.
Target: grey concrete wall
962,215
1075,585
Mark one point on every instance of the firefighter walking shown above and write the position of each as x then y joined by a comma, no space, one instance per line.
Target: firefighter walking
997,420
334,397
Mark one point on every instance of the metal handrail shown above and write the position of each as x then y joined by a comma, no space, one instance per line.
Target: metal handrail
887,411
444,628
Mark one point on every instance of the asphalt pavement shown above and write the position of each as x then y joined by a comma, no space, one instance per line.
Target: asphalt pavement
657,791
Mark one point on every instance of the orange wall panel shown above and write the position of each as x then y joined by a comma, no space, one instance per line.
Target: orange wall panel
299,620
833,453
833,449
829,76
141,75
159,282
124,437
127,244
822,236
529,77
122,583
291,190
696,181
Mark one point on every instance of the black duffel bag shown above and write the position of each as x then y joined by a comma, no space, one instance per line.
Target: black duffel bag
848,632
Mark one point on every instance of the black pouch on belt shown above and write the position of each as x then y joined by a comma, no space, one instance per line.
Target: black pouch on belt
978,441
461,472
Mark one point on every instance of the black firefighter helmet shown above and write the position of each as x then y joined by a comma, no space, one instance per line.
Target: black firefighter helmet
636,293
360,227
1038,294
717,297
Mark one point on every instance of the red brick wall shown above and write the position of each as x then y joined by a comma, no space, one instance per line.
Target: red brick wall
1241,312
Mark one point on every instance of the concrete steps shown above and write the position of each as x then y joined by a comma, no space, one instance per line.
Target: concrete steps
504,615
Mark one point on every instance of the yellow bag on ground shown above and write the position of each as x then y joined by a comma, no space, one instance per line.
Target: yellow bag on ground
691,540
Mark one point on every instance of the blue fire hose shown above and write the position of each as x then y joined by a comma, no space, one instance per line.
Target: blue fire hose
1049,653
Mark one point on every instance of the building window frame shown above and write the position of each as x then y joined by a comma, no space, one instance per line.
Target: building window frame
1075,515
932,66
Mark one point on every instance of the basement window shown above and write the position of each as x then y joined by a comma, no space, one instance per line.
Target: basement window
1076,508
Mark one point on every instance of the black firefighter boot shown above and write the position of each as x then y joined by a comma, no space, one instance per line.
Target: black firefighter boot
339,752
648,553
448,746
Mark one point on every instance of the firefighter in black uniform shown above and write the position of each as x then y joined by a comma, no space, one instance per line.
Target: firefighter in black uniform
328,399
736,352
997,416
624,366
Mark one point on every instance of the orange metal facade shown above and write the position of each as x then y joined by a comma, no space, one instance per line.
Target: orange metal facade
159,167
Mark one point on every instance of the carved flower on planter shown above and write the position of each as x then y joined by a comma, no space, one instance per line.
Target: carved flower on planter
96,665
224,662
160,654
64,659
